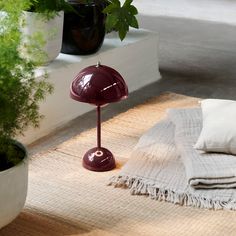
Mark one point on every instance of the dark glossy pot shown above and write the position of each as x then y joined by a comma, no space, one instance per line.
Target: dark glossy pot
84,31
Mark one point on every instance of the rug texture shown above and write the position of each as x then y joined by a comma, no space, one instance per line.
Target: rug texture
165,166
65,199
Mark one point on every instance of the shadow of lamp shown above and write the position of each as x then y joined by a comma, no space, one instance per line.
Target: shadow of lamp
98,85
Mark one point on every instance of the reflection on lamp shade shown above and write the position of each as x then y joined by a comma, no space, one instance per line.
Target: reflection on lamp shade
98,85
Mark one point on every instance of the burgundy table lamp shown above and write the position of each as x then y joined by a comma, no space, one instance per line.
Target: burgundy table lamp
98,85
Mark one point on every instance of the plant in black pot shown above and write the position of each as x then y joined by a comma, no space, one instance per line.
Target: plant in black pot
85,27
20,94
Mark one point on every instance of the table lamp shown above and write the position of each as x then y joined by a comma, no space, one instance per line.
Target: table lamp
98,85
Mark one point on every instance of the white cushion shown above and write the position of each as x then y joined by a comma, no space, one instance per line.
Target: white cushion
218,132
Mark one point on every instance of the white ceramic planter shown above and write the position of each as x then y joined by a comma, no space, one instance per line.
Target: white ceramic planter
13,191
51,31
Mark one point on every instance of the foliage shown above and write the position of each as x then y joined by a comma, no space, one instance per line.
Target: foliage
120,17
48,8
20,90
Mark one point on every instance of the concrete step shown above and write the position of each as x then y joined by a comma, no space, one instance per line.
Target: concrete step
222,11
193,35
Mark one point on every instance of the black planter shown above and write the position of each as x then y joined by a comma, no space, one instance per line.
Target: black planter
84,31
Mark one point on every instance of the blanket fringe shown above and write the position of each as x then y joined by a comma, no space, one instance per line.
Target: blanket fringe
138,186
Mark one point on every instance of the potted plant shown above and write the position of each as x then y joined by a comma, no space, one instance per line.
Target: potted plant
85,27
20,94
44,18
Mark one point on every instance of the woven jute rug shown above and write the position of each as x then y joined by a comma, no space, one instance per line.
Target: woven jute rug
66,199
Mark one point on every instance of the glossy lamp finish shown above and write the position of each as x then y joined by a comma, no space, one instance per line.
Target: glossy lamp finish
99,159
98,85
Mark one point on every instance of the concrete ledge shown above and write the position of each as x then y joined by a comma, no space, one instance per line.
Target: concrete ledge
136,58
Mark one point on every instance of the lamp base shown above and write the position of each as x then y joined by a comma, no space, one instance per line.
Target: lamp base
99,159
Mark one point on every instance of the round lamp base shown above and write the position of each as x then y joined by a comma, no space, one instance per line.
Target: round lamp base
99,159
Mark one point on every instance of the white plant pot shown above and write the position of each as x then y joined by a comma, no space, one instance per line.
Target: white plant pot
51,31
13,191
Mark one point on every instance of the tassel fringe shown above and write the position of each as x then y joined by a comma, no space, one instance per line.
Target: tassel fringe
138,186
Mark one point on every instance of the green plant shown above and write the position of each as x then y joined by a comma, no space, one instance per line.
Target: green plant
20,90
119,16
48,8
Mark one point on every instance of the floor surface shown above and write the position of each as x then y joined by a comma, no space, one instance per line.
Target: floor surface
65,199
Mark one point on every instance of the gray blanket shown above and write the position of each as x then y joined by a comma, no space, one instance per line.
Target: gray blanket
203,170
165,166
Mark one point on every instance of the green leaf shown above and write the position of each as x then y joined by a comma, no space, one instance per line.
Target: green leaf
127,3
132,9
123,28
111,22
134,22
122,34
116,2
110,8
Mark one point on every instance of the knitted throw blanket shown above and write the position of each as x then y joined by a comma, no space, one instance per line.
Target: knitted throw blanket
165,166
203,170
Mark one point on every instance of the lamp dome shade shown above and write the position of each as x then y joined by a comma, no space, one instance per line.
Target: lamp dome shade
98,85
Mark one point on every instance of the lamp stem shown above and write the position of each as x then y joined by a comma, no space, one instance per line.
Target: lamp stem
98,126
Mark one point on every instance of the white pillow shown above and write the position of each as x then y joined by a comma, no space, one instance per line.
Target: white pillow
218,132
